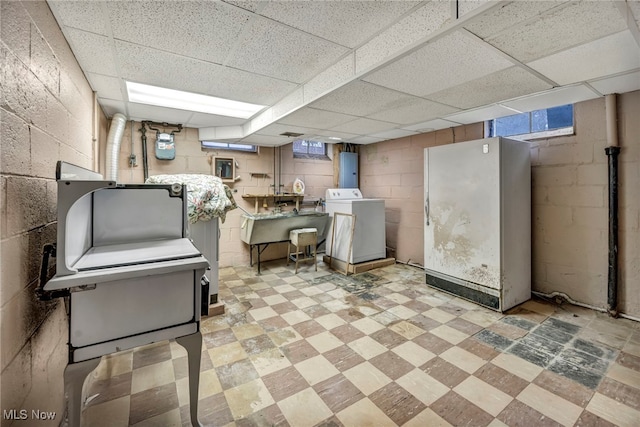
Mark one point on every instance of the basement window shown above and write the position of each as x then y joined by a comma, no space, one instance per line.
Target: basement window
309,149
215,145
545,123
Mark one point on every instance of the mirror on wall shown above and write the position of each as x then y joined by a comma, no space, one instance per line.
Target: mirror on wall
224,167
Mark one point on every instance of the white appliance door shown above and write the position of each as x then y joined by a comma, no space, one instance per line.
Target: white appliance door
462,210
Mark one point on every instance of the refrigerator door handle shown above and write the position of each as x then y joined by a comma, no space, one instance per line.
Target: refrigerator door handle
426,208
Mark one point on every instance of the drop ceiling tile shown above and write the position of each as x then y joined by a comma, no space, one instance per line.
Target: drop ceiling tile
394,133
271,49
412,110
106,86
347,23
199,120
466,6
277,129
140,112
505,84
426,20
317,119
564,27
165,69
618,84
112,106
337,74
552,98
447,62
360,99
85,45
365,140
364,126
82,15
431,125
266,140
480,114
609,55
634,7
204,30
509,15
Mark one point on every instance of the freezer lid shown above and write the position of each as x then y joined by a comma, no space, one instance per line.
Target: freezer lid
343,194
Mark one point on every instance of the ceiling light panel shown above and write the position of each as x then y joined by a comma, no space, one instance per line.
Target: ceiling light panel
348,23
447,62
163,97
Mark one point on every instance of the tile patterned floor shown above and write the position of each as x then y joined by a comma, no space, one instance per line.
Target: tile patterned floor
377,349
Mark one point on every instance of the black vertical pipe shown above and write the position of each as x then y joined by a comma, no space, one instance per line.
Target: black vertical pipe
612,295
145,160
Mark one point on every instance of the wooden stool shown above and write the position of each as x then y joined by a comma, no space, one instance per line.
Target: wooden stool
302,237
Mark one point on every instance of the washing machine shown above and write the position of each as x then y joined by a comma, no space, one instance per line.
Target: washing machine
368,241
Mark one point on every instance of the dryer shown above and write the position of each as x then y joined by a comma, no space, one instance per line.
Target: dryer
369,240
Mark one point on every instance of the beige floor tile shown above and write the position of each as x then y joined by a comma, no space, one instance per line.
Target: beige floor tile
324,342
366,310
407,330
335,305
449,334
367,325
434,300
427,418
367,378
316,369
269,361
293,279
249,330
182,388
330,321
263,313
114,365
152,376
399,298
311,291
338,293
274,299
422,386
209,384
549,404
517,366
483,395
632,348
463,303
439,315
402,312
364,413
284,289
114,413
295,317
497,423
213,324
270,277
367,347
624,375
227,353
613,411
248,398
304,409
284,336
394,285
481,317
463,359
303,302
168,419
413,353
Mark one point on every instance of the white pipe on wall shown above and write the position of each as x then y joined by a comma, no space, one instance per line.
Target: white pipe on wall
118,123
610,102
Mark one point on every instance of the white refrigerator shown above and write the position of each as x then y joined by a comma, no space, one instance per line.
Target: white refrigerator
477,229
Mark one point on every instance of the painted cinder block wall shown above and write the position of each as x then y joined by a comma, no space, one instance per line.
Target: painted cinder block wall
569,201
46,114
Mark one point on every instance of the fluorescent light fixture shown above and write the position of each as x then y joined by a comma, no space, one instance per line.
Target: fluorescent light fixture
171,98
335,138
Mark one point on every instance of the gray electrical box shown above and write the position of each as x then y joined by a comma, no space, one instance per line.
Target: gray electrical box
348,177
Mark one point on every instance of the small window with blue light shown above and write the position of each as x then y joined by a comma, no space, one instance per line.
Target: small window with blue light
215,145
545,123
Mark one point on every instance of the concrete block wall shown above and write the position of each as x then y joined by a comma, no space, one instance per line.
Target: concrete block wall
394,170
46,114
191,158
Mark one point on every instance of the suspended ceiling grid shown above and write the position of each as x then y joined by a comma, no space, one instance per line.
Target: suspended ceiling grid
363,71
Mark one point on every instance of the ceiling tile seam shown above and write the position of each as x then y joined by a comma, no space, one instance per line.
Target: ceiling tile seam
627,15
509,58
588,85
620,74
407,50
424,97
530,20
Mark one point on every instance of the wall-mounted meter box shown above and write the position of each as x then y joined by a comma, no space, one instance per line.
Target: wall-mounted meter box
165,146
